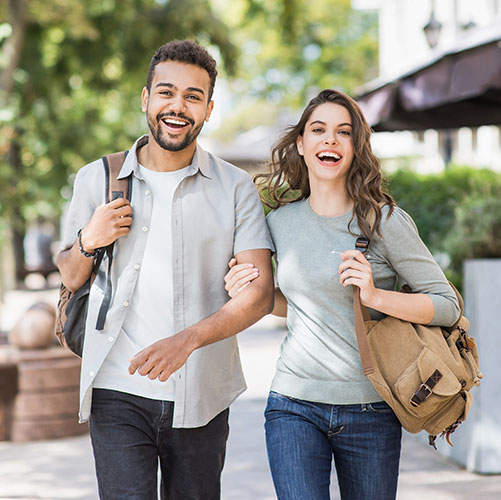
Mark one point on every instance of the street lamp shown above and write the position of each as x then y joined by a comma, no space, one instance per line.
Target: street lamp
432,29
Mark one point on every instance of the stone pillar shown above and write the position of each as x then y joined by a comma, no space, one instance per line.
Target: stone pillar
477,442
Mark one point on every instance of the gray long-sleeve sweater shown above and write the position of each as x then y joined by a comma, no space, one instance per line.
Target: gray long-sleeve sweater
319,359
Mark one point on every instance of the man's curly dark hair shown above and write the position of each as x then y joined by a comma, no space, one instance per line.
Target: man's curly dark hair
185,51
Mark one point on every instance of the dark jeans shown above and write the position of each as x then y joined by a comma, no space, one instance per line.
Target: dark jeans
302,438
131,434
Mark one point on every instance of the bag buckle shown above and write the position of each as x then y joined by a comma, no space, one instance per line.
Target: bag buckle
362,244
426,389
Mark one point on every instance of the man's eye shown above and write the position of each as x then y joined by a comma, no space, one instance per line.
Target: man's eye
194,97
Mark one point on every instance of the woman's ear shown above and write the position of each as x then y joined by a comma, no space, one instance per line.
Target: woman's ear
299,145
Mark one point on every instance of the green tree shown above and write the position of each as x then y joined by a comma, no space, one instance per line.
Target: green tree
72,72
291,48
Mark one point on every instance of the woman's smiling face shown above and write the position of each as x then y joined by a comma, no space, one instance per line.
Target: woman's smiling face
326,144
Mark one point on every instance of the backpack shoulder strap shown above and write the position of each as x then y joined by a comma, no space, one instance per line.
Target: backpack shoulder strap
114,188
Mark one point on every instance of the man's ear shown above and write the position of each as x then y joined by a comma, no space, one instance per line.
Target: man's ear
210,107
299,145
144,99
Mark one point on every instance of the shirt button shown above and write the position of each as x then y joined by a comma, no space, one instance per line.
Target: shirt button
145,229
147,192
110,339
125,304
136,266
91,374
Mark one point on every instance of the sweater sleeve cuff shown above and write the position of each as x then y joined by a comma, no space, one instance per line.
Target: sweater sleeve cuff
445,310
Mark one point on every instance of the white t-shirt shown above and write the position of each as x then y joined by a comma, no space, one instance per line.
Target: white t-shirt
150,313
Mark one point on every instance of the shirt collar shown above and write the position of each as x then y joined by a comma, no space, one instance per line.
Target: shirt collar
200,161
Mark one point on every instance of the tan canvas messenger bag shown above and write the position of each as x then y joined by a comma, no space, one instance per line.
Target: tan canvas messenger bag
423,372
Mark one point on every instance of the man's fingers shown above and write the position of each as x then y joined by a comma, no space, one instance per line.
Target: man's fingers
136,361
124,211
119,202
124,221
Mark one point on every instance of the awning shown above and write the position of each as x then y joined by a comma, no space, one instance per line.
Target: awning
458,88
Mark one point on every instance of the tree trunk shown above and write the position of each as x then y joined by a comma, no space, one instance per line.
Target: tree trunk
14,44
17,221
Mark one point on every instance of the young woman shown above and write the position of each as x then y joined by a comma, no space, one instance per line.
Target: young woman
321,406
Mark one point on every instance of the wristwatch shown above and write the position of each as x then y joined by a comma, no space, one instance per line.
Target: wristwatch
81,248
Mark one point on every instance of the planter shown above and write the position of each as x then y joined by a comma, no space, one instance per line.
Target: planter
39,394
477,442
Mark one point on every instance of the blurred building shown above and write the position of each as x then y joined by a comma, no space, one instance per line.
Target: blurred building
419,42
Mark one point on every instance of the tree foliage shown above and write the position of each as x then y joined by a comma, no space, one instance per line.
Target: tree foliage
292,48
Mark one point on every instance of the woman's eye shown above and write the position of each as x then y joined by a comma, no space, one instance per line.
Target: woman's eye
345,133
317,130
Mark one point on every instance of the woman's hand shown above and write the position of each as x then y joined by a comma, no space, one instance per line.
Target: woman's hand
239,276
356,270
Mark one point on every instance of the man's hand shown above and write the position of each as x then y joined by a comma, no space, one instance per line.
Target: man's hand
109,222
161,359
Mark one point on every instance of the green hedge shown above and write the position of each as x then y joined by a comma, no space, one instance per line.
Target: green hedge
432,200
457,212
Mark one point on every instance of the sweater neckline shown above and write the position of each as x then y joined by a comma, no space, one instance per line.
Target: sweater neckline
312,213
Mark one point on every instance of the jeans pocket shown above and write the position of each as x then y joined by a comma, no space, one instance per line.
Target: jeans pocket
380,407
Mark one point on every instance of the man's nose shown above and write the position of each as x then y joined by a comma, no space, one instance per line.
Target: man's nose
177,104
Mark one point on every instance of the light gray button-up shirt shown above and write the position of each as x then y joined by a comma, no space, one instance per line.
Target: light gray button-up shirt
216,213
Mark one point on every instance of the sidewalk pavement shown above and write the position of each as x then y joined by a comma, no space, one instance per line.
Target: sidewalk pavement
63,469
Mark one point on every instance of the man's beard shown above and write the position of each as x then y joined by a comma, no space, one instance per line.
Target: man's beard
160,138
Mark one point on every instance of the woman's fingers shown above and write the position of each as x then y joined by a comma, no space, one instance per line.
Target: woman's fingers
354,277
242,279
238,276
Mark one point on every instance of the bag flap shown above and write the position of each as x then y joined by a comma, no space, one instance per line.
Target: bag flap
428,362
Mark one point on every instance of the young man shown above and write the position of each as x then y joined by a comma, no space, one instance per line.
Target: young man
157,382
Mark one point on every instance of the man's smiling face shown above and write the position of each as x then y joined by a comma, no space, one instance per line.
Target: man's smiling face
177,104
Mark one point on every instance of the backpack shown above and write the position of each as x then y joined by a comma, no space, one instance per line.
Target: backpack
71,313
423,372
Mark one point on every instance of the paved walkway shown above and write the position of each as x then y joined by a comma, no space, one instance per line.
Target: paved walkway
63,469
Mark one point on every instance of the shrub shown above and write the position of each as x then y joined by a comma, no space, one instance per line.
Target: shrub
432,200
476,232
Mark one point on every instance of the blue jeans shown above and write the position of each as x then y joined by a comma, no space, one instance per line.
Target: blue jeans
131,434
302,438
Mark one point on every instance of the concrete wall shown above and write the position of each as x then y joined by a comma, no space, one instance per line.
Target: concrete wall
477,442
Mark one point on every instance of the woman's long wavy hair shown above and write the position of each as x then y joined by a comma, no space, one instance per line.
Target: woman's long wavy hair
287,181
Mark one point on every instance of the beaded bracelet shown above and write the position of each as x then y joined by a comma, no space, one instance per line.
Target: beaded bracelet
81,248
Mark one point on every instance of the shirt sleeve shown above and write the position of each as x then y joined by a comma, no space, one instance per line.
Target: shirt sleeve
88,193
251,231
412,261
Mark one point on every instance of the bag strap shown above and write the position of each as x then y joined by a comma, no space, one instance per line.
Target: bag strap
361,315
114,188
